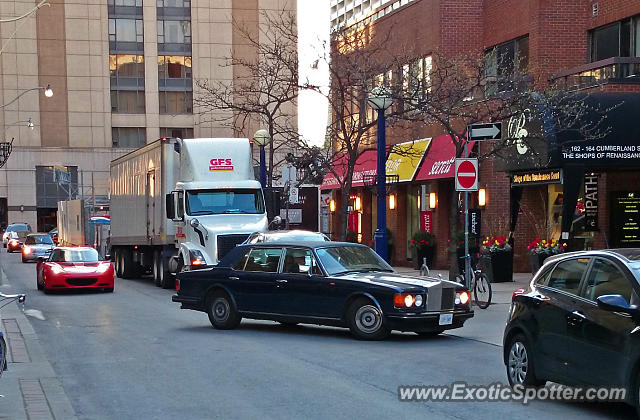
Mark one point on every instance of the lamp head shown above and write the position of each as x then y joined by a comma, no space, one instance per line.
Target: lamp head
48,92
261,137
380,98
30,123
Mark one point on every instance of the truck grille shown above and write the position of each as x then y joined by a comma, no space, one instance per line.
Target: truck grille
227,242
81,281
448,296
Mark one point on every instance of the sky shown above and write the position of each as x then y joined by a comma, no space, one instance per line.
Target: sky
313,33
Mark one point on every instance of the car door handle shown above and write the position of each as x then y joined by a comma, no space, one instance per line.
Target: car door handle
575,318
578,314
234,278
281,281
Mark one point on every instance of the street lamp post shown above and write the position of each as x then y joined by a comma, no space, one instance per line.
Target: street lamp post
261,137
380,99
48,92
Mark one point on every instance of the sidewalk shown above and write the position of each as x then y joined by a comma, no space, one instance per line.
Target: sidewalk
487,325
29,388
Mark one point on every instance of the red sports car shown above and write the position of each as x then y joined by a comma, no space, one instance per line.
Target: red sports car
74,268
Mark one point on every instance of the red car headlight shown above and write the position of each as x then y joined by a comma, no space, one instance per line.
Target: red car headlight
103,267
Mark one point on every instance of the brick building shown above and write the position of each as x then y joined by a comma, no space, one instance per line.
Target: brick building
592,46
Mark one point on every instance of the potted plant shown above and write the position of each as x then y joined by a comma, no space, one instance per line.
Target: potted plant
351,236
423,244
539,250
497,256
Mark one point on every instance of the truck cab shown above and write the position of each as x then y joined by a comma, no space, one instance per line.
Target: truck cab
216,203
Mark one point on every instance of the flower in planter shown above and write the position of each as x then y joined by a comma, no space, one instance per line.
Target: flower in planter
546,247
494,244
421,240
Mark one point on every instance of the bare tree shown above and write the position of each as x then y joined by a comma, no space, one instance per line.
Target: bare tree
264,89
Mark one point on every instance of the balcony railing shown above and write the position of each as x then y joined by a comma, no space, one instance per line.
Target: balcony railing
610,70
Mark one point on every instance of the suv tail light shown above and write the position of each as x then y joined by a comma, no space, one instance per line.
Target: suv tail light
177,285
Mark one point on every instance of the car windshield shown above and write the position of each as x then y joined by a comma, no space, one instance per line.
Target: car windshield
16,228
74,255
39,240
348,259
229,201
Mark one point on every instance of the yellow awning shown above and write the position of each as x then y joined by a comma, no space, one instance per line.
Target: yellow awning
404,159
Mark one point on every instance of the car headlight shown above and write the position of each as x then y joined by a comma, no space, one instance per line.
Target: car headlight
56,269
462,298
407,300
26,250
103,267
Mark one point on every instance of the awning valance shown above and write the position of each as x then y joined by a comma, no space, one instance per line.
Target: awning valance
365,167
440,159
404,159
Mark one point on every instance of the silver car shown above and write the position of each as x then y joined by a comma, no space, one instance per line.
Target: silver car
37,245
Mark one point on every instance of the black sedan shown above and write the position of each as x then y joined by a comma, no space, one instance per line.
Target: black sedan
578,323
295,235
325,283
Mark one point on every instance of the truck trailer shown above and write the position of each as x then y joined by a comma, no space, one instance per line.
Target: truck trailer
182,204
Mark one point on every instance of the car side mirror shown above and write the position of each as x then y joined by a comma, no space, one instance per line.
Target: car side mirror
169,206
305,269
107,257
615,303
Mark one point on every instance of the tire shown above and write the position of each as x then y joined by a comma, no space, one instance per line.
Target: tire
156,268
482,291
366,320
428,334
38,285
128,270
520,366
117,258
166,281
24,261
222,313
3,354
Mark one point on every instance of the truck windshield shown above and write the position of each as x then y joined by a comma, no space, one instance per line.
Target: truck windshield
229,201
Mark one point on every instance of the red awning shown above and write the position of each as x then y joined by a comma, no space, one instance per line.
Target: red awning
365,166
440,159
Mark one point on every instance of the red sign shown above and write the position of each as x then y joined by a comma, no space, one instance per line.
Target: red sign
220,165
439,160
425,221
466,174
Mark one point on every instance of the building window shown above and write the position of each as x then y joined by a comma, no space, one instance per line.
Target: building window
134,3
174,67
132,137
174,32
176,102
505,61
127,102
173,3
619,39
126,65
183,133
55,183
125,30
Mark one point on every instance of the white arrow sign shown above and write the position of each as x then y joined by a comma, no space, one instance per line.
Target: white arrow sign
491,131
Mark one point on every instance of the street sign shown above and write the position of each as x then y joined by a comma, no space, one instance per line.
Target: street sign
293,195
491,131
467,174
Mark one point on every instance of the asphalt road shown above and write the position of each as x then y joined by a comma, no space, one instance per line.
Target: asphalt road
134,354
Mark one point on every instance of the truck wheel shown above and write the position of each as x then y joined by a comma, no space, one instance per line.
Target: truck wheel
117,262
128,269
156,267
167,281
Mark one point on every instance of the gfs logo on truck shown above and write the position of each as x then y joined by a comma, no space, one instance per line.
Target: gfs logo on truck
220,165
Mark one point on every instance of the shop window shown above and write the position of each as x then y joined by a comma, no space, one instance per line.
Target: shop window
619,39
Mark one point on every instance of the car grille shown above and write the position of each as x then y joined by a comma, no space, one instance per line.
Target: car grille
82,281
227,242
448,296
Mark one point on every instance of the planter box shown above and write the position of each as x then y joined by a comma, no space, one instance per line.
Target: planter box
498,266
536,261
419,254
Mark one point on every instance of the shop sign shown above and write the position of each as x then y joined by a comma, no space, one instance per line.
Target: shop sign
295,215
591,202
426,218
625,219
475,221
553,176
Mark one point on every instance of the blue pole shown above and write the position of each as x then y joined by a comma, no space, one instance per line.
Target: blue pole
380,236
263,168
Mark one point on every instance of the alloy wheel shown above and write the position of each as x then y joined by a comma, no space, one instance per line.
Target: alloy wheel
518,363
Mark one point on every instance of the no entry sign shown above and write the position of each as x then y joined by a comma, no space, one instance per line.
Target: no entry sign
467,174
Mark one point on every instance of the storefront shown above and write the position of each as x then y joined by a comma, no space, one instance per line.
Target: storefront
581,189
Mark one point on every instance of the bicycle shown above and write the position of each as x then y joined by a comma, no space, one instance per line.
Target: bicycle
479,285
424,270
4,301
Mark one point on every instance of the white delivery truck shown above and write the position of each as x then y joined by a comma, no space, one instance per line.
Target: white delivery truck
182,203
